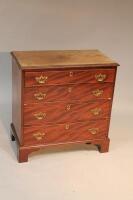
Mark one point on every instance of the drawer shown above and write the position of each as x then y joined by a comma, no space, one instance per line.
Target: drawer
47,93
40,114
66,77
78,92
64,133
89,92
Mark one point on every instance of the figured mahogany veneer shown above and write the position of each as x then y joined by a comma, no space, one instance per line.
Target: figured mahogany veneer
62,133
65,112
74,92
67,77
61,97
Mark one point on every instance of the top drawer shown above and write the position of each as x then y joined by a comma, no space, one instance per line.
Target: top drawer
68,77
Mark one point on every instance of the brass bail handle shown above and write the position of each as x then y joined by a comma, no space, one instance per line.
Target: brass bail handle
97,92
39,135
96,111
41,79
40,115
100,77
40,96
93,131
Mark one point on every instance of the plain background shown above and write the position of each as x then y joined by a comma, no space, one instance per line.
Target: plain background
78,172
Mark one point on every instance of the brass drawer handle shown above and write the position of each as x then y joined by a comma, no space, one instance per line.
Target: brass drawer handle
100,77
38,136
40,115
96,111
41,79
97,92
39,96
93,131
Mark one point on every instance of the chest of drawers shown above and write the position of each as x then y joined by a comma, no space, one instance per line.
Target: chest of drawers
61,97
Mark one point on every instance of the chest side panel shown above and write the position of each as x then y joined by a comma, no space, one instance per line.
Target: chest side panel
16,99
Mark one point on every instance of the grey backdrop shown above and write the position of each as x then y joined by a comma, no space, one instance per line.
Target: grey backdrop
70,24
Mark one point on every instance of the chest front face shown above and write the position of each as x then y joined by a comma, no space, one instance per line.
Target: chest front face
64,104
75,98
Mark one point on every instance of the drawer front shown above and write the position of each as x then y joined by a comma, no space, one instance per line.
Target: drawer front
61,112
66,77
88,92
46,94
78,92
62,133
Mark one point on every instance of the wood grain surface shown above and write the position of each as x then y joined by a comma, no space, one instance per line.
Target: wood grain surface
68,77
58,113
73,92
45,59
17,99
57,133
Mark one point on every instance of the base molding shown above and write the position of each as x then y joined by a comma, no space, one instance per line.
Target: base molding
24,151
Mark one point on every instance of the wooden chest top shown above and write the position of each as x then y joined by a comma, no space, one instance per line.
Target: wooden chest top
66,58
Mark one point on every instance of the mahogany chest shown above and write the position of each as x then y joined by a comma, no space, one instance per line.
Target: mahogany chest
61,97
